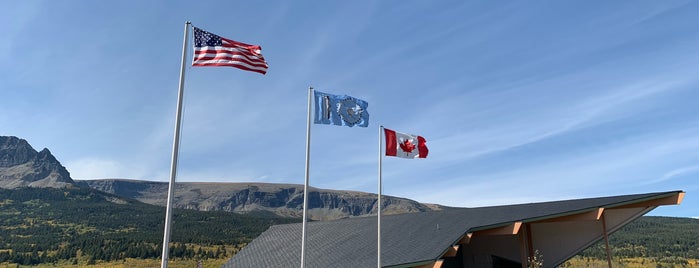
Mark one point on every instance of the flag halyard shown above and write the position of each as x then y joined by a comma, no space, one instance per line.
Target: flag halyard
213,50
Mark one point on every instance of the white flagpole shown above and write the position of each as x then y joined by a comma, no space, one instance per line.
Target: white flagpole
175,152
305,185
378,206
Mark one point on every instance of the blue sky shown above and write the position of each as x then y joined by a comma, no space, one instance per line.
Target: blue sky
519,101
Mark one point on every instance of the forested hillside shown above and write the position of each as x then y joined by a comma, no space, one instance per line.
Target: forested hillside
39,225
84,226
658,239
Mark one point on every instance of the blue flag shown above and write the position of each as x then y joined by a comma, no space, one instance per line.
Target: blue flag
340,110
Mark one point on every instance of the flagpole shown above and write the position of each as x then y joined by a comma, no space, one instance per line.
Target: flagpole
175,152
378,245
305,185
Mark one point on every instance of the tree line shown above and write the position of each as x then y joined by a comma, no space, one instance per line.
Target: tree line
46,225
662,239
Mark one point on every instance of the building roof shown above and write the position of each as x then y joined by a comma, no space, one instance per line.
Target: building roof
408,239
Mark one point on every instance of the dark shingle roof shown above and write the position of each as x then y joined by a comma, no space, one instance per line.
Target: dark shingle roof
406,238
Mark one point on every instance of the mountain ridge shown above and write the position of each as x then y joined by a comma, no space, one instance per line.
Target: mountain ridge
22,166
281,199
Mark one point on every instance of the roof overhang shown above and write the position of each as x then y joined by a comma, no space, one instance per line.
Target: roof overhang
606,219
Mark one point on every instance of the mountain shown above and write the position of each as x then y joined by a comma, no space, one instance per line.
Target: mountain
22,166
281,199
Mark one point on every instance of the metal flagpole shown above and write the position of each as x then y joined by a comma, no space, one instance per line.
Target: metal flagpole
378,206
175,152
305,185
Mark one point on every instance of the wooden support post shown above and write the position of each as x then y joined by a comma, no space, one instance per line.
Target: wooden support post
523,247
606,239
530,241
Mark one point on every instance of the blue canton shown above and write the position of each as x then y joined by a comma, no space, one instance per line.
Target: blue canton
203,38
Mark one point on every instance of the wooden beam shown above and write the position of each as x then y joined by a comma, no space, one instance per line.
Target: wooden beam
675,199
592,215
510,229
436,264
451,252
465,239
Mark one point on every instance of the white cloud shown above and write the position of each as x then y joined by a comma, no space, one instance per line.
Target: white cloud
569,176
678,172
90,168
97,168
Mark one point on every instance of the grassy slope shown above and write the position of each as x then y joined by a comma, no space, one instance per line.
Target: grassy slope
638,262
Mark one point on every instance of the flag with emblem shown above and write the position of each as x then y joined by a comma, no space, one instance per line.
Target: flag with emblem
213,50
405,145
340,110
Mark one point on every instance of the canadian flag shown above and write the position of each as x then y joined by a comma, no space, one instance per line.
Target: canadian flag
405,145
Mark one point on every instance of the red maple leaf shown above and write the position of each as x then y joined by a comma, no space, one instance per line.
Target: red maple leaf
407,146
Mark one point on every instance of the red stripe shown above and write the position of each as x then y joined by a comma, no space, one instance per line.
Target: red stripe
236,43
422,147
226,55
211,54
241,52
240,55
233,54
242,67
219,60
391,143
261,64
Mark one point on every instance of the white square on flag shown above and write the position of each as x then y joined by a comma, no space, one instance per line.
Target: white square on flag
405,145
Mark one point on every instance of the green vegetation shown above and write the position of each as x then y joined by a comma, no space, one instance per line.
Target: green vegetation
45,225
661,240
654,237
77,227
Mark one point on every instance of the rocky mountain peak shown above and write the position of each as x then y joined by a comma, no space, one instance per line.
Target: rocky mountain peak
22,166
15,151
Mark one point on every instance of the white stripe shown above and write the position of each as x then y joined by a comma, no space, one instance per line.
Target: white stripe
232,57
233,49
233,62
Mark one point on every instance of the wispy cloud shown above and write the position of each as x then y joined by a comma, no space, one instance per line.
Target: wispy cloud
97,169
565,175
518,102
678,172
15,18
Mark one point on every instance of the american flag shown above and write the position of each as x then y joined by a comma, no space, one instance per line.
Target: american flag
213,50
